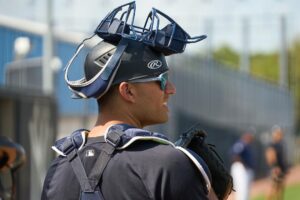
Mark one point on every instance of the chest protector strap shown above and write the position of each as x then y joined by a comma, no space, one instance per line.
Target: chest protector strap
117,137
69,147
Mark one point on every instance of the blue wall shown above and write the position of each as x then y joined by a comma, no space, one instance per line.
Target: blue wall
7,38
63,50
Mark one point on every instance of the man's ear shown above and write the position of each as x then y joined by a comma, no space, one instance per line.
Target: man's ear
127,91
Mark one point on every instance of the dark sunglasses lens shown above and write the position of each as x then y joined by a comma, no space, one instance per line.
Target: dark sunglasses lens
164,81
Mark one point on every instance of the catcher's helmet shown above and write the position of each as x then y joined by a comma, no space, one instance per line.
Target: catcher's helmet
105,66
127,51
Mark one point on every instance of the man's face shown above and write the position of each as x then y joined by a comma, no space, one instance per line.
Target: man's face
277,135
152,102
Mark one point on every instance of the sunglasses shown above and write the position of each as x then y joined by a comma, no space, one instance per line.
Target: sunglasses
162,78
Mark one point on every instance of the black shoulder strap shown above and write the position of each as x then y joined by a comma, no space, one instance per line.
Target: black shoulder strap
89,183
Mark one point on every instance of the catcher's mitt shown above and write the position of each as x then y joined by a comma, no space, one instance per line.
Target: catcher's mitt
222,182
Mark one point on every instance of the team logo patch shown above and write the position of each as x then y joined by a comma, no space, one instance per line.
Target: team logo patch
90,153
154,64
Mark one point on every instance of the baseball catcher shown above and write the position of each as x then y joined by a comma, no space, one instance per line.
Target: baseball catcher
118,159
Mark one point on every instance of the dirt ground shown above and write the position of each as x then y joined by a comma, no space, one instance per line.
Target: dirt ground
262,186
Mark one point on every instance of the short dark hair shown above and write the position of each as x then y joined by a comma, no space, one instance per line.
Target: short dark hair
107,97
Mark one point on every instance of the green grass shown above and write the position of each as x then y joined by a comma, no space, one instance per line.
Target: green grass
291,193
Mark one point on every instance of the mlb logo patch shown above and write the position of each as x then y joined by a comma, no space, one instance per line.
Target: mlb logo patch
90,153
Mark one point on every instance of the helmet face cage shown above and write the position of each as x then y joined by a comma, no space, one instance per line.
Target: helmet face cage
169,39
112,28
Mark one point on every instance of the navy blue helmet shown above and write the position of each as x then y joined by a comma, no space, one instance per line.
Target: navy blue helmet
128,51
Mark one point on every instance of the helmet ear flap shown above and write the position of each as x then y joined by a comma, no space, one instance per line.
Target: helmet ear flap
98,78
96,60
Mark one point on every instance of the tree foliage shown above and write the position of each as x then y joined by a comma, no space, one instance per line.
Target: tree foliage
265,66
227,56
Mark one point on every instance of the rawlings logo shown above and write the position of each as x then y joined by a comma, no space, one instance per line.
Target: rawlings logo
154,64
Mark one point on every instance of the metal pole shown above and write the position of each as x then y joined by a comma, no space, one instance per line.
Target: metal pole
209,31
48,51
283,60
245,60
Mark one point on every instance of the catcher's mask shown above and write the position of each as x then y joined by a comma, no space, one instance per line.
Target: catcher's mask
128,51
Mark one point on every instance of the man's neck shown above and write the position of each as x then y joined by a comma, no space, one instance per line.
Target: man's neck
111,114
103,123
100,128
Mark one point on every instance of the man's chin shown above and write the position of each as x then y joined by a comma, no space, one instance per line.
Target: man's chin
163,120
158,121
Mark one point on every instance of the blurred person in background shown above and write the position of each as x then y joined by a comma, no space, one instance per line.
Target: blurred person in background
242,167
12,157
276,158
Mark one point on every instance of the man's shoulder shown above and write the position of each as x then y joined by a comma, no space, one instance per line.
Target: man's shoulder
154,149
153,163
150,153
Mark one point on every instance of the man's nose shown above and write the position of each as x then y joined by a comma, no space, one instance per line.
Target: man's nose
170,88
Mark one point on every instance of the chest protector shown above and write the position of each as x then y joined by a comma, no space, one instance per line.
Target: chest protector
117,137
